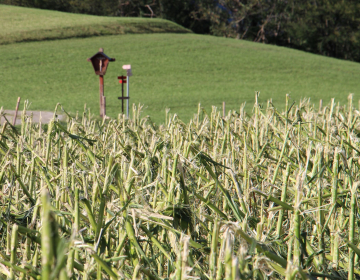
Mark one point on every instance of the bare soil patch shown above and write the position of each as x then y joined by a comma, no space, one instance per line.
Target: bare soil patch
37,116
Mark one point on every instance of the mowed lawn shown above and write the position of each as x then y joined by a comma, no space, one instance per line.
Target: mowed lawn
176,71
19,24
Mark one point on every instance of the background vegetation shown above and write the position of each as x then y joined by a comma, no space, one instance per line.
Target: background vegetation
175,71
326,27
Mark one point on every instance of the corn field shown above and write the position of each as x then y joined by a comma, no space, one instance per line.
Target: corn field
266,195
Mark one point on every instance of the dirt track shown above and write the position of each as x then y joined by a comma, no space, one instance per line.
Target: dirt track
44,115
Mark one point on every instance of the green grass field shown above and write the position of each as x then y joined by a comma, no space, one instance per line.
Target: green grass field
20,24
175,71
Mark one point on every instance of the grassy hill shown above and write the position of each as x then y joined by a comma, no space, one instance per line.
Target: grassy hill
20,24
175,71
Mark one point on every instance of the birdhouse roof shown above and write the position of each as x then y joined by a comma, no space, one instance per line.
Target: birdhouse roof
100,54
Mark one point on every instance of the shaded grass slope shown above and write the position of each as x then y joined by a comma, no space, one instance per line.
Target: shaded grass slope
19,24
175,71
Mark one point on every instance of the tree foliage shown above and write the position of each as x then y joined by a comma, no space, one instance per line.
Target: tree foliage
327,27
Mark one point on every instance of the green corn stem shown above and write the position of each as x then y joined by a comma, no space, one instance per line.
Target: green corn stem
27,255
256,122
235,269
136,272
34,274
63,275
263,149
173,180
237,212
31,178
213,253
18,159
334,188
178,265
46,238
21,184
76,212
131,234
228,259
45,172
65,171
320,214
8,239
156,242
61,260
104,266
341,264
100,220
110,171
130,173
169,227
283,199
49,138
89,214
2,173
280,158
296,220
122,240
335,252
239,192
211,206
328,122
77,139
70,263
312,256
284,205
155,194
220,266
354,248
353,209
14,245
262,248
334,191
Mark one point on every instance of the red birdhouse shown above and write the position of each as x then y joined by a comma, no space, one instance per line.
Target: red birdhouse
100,62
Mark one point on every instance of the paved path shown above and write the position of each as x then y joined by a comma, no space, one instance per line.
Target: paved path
45,116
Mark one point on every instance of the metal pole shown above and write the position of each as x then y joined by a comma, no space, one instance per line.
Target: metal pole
127,94
122,95
101,88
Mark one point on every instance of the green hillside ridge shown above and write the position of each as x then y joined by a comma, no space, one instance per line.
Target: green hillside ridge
19,24
176,71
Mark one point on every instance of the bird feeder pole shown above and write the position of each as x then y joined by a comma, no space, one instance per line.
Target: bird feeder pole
122,81
128,75
101,90
100,62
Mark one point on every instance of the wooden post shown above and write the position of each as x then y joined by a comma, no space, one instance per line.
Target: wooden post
101,95
223,110
104,108
16,110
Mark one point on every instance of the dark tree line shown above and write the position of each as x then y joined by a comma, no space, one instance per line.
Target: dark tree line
327,27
